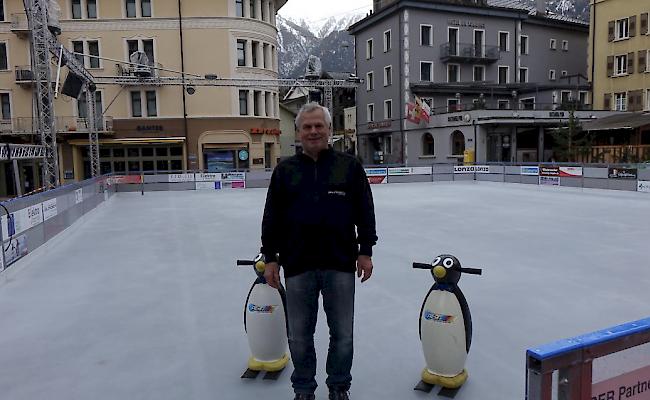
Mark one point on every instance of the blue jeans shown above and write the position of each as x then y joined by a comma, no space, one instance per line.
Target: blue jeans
303,290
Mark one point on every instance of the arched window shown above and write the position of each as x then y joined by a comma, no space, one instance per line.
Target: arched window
457,143
427,145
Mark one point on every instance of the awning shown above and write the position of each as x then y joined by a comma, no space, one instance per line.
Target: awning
131,141
626,120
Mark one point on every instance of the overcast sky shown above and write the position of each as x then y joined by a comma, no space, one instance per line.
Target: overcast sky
316,10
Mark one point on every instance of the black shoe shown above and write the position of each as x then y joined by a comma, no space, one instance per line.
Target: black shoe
339,394
304,396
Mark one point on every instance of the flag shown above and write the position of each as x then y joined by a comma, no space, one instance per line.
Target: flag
424,109
412,113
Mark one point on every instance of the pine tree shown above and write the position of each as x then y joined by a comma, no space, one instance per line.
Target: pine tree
570,142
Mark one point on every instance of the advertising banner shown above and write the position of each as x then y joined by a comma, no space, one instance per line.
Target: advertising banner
545,170
471,169
208,177
533,171
232,184
377,180
549,180
206,185
16,250
49,209
377,175
126,179
575,172
233,176
78,196
175,178
622,173
643,186
421,170
21,220
631,386
400,171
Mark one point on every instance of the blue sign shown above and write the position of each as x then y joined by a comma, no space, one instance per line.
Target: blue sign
243,155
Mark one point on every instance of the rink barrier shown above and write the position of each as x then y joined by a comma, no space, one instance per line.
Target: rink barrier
609,364
33,220
622,178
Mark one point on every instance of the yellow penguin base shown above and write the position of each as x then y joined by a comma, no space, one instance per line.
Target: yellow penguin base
444,381
270,366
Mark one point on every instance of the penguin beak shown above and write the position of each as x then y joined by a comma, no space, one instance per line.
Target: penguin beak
439,272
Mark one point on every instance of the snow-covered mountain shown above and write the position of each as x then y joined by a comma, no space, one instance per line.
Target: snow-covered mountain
329,40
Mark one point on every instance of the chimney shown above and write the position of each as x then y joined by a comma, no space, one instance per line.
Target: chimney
541,7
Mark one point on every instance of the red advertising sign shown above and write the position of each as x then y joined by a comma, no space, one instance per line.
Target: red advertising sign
378,179
634,385
127,179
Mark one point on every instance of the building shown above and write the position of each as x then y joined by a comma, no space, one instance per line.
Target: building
288,131
153,128
496,75
619,54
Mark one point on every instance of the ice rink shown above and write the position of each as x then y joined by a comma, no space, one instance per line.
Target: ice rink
141,298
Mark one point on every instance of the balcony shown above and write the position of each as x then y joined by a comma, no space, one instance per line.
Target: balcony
139,74
469,53
19,25
64,125
24,75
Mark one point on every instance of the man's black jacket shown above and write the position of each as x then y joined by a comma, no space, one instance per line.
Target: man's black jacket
312,208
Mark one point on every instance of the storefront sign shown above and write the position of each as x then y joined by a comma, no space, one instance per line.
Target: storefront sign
49,209
634,385
78,196
643,186
233,176
533,171
175,178
556,114
575,172
208,177
622,173
261,131
472,24
471,169
549,180
549,171
149,128
16,250
381,124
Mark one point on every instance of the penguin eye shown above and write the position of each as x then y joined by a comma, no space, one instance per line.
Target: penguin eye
448,262
436,261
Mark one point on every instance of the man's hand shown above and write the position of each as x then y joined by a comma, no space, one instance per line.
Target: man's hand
272,274
364,267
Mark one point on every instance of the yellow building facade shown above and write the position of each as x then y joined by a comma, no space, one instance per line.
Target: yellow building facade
154,128
619,54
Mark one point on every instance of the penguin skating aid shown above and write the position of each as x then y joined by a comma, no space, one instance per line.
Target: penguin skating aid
445,326
265,324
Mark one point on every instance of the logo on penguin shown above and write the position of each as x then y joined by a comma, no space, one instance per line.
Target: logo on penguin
261,309
445,319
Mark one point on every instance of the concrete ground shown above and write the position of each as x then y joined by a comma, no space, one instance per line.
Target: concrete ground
142,300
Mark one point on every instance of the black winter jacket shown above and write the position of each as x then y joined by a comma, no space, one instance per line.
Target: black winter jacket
312,209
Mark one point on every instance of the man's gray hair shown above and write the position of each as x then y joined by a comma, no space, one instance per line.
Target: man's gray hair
310,107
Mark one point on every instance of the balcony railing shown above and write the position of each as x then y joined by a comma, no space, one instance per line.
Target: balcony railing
469,53
613,154
24,74
506,104
19,23
27,126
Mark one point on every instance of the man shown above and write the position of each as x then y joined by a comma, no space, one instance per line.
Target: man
314,202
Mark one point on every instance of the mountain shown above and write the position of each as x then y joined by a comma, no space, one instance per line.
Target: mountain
329,40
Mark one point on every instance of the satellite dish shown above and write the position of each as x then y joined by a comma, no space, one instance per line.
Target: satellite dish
314,68
141,60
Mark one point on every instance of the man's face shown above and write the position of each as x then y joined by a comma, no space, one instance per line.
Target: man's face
313,133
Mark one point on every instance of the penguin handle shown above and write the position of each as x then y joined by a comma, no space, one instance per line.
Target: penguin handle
472,271
422,265
245,262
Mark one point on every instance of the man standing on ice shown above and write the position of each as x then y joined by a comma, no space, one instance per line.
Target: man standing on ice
319,218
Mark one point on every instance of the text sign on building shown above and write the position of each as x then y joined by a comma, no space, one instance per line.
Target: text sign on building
471,169
471,24
381,124
633,385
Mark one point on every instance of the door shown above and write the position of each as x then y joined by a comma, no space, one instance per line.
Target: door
453,41
479,43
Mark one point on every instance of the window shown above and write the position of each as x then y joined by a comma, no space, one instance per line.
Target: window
583,98
387,41
93,50
479,73
647,99
551,75
369,49
388,75
91,9
523,75
453,37
503,104
565,45
622,29
253,14
145,8
388,109
527,104
370,81
388,144
426,35
620,65
426,71
6,105
524,45
136,104
144,45
620,101
453,105
130,9
82,108
565,96
4,61
151,104
239,8
370,112
2,11
428,148
504,41
504,72
78,49
138,8
552,44
243,102
565,73
241,53
457,143
152,109
257,96
453,73
255,49
76,9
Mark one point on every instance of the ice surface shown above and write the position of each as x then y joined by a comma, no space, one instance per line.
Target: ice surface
142,300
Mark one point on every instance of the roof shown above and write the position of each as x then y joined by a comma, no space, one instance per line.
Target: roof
532,10
626,120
